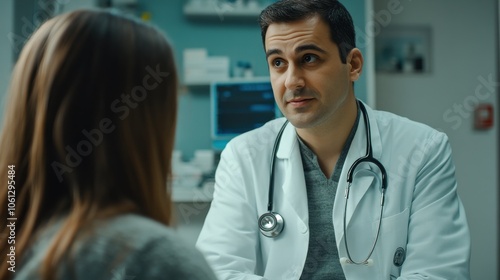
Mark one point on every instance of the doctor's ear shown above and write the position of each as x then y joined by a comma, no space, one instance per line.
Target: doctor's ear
355,62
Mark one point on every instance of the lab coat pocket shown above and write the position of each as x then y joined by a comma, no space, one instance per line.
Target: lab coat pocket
391,247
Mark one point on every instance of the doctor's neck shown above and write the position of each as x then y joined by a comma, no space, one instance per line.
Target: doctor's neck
327,139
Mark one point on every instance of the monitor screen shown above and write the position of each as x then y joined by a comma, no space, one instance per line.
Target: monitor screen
240,106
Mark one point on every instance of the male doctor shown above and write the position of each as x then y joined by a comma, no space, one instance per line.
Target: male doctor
402,218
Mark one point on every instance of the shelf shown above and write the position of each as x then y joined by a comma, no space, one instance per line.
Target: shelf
201,83
222,12
206,83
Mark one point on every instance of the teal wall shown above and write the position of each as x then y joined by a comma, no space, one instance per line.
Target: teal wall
239,40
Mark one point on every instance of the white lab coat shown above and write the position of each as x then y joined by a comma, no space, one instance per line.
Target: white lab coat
422,214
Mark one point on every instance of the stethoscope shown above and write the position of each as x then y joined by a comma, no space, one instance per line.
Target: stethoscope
271,224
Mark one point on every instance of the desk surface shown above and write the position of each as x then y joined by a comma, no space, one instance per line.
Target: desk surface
196,194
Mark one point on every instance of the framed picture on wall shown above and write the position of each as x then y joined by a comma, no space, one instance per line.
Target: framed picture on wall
403,49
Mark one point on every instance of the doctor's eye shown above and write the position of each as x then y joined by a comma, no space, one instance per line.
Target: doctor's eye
310,58
278,63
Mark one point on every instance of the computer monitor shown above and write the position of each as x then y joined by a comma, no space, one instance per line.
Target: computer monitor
238,106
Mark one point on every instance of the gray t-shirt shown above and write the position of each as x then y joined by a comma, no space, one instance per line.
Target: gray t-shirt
127,247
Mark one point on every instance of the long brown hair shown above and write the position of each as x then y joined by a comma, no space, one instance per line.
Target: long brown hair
88,131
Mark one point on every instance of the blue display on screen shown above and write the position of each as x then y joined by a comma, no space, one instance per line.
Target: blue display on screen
238,107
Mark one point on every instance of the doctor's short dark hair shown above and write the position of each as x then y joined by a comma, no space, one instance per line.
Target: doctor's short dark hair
331,12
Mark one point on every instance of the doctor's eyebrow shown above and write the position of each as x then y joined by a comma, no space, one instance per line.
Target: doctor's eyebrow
273,51
298,49
309,47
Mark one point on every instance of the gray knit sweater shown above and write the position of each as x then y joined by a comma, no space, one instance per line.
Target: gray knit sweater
128,247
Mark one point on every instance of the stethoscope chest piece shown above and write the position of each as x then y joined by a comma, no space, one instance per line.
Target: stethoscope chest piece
271,224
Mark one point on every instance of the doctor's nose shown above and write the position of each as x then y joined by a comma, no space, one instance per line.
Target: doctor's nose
294,78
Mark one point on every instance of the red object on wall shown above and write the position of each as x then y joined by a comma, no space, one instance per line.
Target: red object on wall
483,116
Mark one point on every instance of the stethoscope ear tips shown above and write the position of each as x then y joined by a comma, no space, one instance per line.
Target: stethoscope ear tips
271,224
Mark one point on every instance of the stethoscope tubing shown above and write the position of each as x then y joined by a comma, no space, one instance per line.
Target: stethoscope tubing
369,159
271,177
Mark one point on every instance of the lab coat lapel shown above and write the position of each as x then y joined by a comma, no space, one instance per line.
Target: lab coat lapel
290,165
360,183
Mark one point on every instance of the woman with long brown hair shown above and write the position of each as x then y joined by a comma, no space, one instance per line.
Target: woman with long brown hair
85,155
